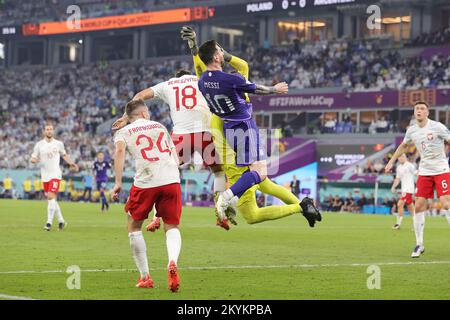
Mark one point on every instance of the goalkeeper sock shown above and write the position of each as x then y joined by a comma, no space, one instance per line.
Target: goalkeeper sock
139,250
256,215
267,186
245,182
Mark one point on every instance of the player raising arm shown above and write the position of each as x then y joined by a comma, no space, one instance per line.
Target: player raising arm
191,131
48,152
246,204
156,183
429,137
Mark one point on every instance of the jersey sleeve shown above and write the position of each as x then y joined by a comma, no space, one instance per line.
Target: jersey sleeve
397,173
444,133
240,65
158,91
62,149
35,153
199,66
119,137
407,139
243,85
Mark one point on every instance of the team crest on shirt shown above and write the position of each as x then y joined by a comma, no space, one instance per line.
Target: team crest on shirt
430,136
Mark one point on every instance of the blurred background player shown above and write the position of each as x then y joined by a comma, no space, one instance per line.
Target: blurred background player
191,131
429,137
156,183
48,152
405,175
224,93
101,167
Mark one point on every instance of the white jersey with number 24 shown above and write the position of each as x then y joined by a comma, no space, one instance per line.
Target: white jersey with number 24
153,151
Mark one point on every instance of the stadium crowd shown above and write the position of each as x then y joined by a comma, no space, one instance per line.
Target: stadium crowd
353,65
80,98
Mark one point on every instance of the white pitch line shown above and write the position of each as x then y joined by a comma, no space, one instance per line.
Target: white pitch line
5,296
328,265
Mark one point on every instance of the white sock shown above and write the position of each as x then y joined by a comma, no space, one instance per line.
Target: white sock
51,208
139,250
399,219
220,181
58,213
173,242
419,225
154,213
447,214
227,195
434,211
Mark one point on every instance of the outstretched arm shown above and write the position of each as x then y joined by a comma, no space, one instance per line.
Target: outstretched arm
279,88
400,150
119,160
70,162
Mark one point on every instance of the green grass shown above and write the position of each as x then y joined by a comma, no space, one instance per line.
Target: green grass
99,241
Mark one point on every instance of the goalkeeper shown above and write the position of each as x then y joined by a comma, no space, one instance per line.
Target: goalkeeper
246,205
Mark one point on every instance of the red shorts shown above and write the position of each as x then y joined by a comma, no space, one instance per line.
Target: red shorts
51,186
427,184
201,142
167,200
407,198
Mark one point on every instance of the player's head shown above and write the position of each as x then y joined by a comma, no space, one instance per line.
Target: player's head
48,130
421,110
403,158
182,72
211,53
100,156
137,109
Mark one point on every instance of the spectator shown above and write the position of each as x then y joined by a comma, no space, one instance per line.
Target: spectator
295,186
382,125
88,181
337,204
37,187
27,188
8,187
349,203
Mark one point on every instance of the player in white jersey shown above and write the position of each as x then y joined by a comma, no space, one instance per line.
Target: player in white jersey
405,175
48,152
434,174
156,183
191,131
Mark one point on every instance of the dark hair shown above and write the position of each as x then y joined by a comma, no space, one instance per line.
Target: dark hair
49,123
133,105
207,51
421,102
181,72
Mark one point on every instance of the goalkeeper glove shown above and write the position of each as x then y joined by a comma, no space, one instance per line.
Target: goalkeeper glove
188,34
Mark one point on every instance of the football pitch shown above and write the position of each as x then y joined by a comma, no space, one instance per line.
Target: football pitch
283,259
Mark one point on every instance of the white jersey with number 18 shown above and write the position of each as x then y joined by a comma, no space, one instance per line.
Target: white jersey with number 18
429,140
153,151
188,108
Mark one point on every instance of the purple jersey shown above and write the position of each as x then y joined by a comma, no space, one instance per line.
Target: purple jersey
224,93
101,170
